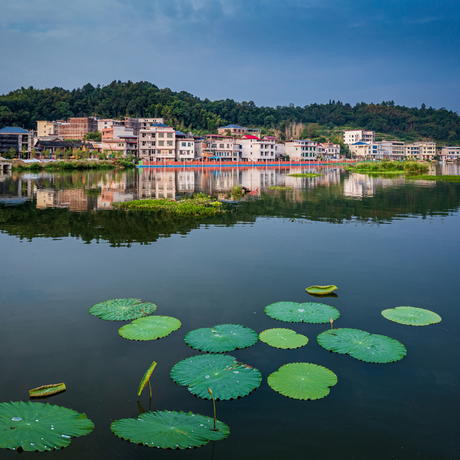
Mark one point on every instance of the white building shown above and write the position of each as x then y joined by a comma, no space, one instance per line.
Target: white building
156,141
328,150
255,149
302,149
185,146
450,153
358,135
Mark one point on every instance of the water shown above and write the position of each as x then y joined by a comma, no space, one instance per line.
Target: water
383,242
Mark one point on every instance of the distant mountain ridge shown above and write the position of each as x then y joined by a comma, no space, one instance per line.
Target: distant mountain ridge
23,107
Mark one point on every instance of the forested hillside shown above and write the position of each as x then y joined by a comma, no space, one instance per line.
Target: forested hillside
25,106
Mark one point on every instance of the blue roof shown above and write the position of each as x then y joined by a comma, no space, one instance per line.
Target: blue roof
160,125
360,143
232,126
179,133
13,130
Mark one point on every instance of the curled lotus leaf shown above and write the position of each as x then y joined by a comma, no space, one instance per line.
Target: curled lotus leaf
34,426
307,312
283,338
321,290
221,338
47,390
150,328
146,378
304,381
223,374
411,316
122,309
170,430
372,348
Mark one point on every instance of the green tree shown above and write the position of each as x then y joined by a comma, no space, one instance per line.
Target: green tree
10,154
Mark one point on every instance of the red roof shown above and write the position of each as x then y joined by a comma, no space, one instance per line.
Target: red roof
247,136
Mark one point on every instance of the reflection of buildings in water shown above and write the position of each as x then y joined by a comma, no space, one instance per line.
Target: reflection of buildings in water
186,181
105,200
258,178
222,181
358,186
450,169
156,184
45,198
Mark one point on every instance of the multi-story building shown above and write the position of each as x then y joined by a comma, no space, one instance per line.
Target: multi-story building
18,139
449,153
119,140
421,150
222,147
328,150
358,135
236,130
156,141
46,128
304,149
77,128
255,149
185,146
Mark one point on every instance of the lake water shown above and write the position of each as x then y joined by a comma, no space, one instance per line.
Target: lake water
384,241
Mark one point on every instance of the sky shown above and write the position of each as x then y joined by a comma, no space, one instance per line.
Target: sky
271,52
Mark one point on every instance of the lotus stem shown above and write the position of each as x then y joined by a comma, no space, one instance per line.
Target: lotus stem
332,328
214,404
150,390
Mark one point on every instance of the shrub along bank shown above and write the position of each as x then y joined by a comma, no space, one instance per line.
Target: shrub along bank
73,165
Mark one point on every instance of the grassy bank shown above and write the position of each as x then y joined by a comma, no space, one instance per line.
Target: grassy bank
436,178
198,206
388,166
73,165
305,175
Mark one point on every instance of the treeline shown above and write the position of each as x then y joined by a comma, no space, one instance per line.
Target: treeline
184,111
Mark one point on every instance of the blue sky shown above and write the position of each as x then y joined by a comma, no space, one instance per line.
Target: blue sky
268,51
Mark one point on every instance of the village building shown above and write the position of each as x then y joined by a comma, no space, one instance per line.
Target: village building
302,149
18,139
358,135
236,130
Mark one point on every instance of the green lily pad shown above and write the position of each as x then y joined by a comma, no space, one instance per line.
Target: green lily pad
150,328
372,348
308,312
146,378
34,426
411,316
122,309
221,338
47,390
223,374
170,430
302,381
283,338
321,290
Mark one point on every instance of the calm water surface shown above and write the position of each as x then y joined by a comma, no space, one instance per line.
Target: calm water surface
384,241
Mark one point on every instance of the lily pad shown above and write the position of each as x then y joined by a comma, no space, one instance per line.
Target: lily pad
411,316
308,312
223,374
150,328
47,390
34,426
122,309
372,348
221,338
304,381
321,290
146,378
170,430
283,338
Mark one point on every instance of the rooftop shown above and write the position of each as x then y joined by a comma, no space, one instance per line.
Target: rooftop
232,127
13,130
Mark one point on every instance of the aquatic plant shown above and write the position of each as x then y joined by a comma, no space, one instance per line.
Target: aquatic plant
445,178
389,166
283,338
228,378
371,348
221,338
321,290
122,309
305,175
308,312
411,316
303,381
170,430
237,192
47,390
150,328
146,379
33,426
276,187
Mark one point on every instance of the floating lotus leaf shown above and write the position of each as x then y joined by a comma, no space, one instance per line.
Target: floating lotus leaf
372,348
223,374
146,378
170,430
47,390
222,338
308,312
150,328
321,290
36,426
411,316
122,309
283,338
302,381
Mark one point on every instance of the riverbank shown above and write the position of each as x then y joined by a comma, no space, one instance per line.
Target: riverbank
72,165
390,167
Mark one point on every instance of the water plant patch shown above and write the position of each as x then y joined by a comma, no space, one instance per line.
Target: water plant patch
372,348
223,374
303,381
283,338
150,328
122,309
221,338
411,316
308,312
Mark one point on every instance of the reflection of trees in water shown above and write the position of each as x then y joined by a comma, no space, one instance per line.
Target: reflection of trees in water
318,204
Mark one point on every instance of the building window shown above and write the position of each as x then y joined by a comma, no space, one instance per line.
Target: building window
161,135
161,143
169,135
